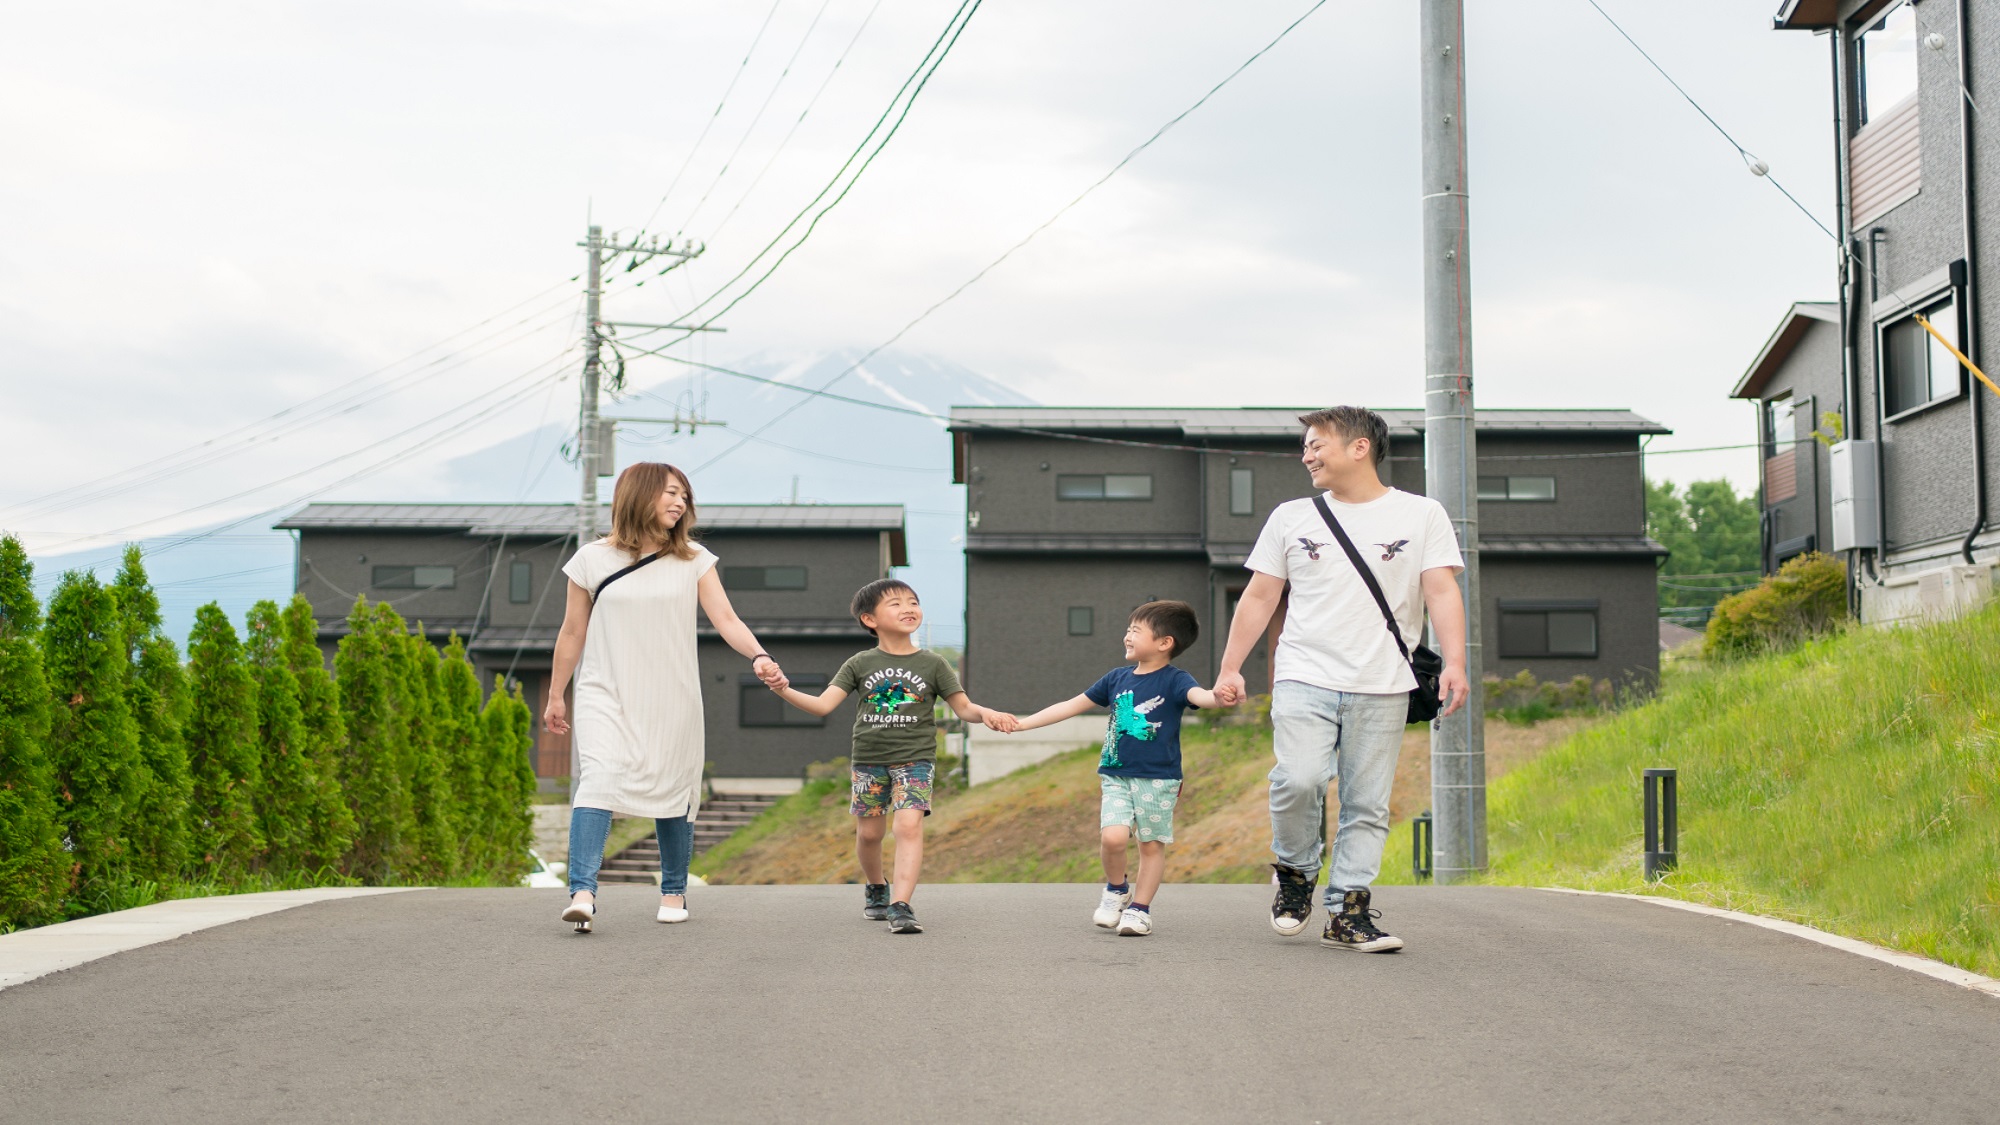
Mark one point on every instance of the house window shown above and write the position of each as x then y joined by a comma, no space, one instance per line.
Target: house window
759,706
1565,628
1779,432
1917,370
521,582
1104,486
1082,621
1886,61
414,577
1517,488
763,578
1242,499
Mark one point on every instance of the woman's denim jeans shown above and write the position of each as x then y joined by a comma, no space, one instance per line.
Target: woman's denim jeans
1318,735
588,829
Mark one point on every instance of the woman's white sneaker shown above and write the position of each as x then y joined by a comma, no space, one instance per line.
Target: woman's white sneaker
1135,923
580,913
1110,905
674,913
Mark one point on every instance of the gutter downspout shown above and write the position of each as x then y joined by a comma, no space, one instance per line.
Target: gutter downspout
1970,317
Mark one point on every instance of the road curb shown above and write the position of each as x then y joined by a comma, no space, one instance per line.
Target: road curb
27,954
1950,974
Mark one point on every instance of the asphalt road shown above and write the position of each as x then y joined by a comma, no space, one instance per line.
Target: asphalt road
782,1004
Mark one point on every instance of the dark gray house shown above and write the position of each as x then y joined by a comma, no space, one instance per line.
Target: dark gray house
492,574
1903,486
1077,514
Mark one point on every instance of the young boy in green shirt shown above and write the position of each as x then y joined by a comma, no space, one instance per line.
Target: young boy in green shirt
895,740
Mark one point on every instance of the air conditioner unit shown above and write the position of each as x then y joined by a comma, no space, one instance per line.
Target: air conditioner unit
1856,503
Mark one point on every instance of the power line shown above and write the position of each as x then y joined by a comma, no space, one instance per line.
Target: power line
783,73
1050,221
712,118
789,133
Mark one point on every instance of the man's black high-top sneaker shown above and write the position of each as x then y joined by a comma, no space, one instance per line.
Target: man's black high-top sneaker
875,902
1294,905
1354,927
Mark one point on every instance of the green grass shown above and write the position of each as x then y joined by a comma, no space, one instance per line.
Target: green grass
808,804
1852,784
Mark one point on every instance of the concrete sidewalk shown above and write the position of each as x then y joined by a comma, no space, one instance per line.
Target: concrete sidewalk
782,1004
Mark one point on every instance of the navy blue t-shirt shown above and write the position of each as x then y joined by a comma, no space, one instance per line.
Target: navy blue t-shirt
1143,738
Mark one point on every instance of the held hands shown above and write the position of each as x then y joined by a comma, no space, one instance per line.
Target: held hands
1002,721
1229,688
555,717
768,671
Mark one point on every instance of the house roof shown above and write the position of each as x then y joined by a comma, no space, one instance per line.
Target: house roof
1274,421
1800,317
1805,15
554,520
1571,546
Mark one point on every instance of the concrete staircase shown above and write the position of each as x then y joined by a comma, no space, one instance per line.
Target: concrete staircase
720,818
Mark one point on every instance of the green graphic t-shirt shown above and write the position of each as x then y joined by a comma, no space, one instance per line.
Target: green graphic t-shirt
895,697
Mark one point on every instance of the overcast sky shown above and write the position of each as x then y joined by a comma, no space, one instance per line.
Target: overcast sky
216,210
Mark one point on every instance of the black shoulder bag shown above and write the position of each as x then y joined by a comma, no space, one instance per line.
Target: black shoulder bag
1424,664
617,574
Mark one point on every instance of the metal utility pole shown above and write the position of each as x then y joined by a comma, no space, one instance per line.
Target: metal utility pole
1451,468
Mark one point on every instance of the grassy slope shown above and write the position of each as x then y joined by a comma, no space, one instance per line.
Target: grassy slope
1040,824
1853,784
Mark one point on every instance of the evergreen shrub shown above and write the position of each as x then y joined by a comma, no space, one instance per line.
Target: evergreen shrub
93,741
35,871
157,692
222,748
1805,599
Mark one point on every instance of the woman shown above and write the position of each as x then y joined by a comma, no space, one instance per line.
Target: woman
628,635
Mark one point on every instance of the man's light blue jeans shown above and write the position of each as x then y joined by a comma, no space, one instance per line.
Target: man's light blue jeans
1318,735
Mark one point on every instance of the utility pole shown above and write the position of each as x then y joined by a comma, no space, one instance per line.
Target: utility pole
1451,467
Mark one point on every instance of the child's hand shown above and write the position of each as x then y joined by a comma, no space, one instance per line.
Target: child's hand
1002,721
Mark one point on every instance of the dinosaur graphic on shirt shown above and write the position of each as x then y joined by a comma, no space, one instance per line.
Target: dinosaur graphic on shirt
1127,720
890,697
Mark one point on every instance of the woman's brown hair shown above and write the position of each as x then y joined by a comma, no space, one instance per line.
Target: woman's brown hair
635,510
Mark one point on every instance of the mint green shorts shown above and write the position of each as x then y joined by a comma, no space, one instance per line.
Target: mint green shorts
1143,804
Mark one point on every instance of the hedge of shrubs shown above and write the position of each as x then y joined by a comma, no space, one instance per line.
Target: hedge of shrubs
128,775
1806,598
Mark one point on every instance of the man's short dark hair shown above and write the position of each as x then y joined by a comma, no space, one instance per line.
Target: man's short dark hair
871,595
1352,423
1172,620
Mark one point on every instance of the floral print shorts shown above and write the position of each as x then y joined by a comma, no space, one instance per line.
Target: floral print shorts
1144,804
880,790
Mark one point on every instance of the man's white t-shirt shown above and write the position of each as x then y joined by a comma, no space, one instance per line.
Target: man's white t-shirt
1334,635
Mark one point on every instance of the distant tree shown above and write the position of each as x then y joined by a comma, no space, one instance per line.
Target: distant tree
156,690
458,746
93,742
415,692
222,747
1711,535
35,871
371,766
507,737
330,823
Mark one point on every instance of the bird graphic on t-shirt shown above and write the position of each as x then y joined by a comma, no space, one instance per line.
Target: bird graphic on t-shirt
1389,549
1127,720
1312,548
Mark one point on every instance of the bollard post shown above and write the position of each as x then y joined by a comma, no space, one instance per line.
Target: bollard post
1420,846
1661,790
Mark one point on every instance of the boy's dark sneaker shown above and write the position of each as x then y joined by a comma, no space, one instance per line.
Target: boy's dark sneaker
1294,905
1354,927
903,920
875,902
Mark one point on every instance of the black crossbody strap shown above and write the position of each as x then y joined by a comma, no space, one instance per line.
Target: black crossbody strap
1367,576
617,574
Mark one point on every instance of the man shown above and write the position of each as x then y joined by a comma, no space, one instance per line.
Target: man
1340,686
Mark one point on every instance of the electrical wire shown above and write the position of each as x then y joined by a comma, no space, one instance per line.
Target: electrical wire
779,84
309,405
712,118
1050,221
787,140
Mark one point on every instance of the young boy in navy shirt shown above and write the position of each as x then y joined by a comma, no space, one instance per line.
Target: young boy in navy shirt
1140,766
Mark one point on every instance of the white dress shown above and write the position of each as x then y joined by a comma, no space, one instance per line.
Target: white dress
638,721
